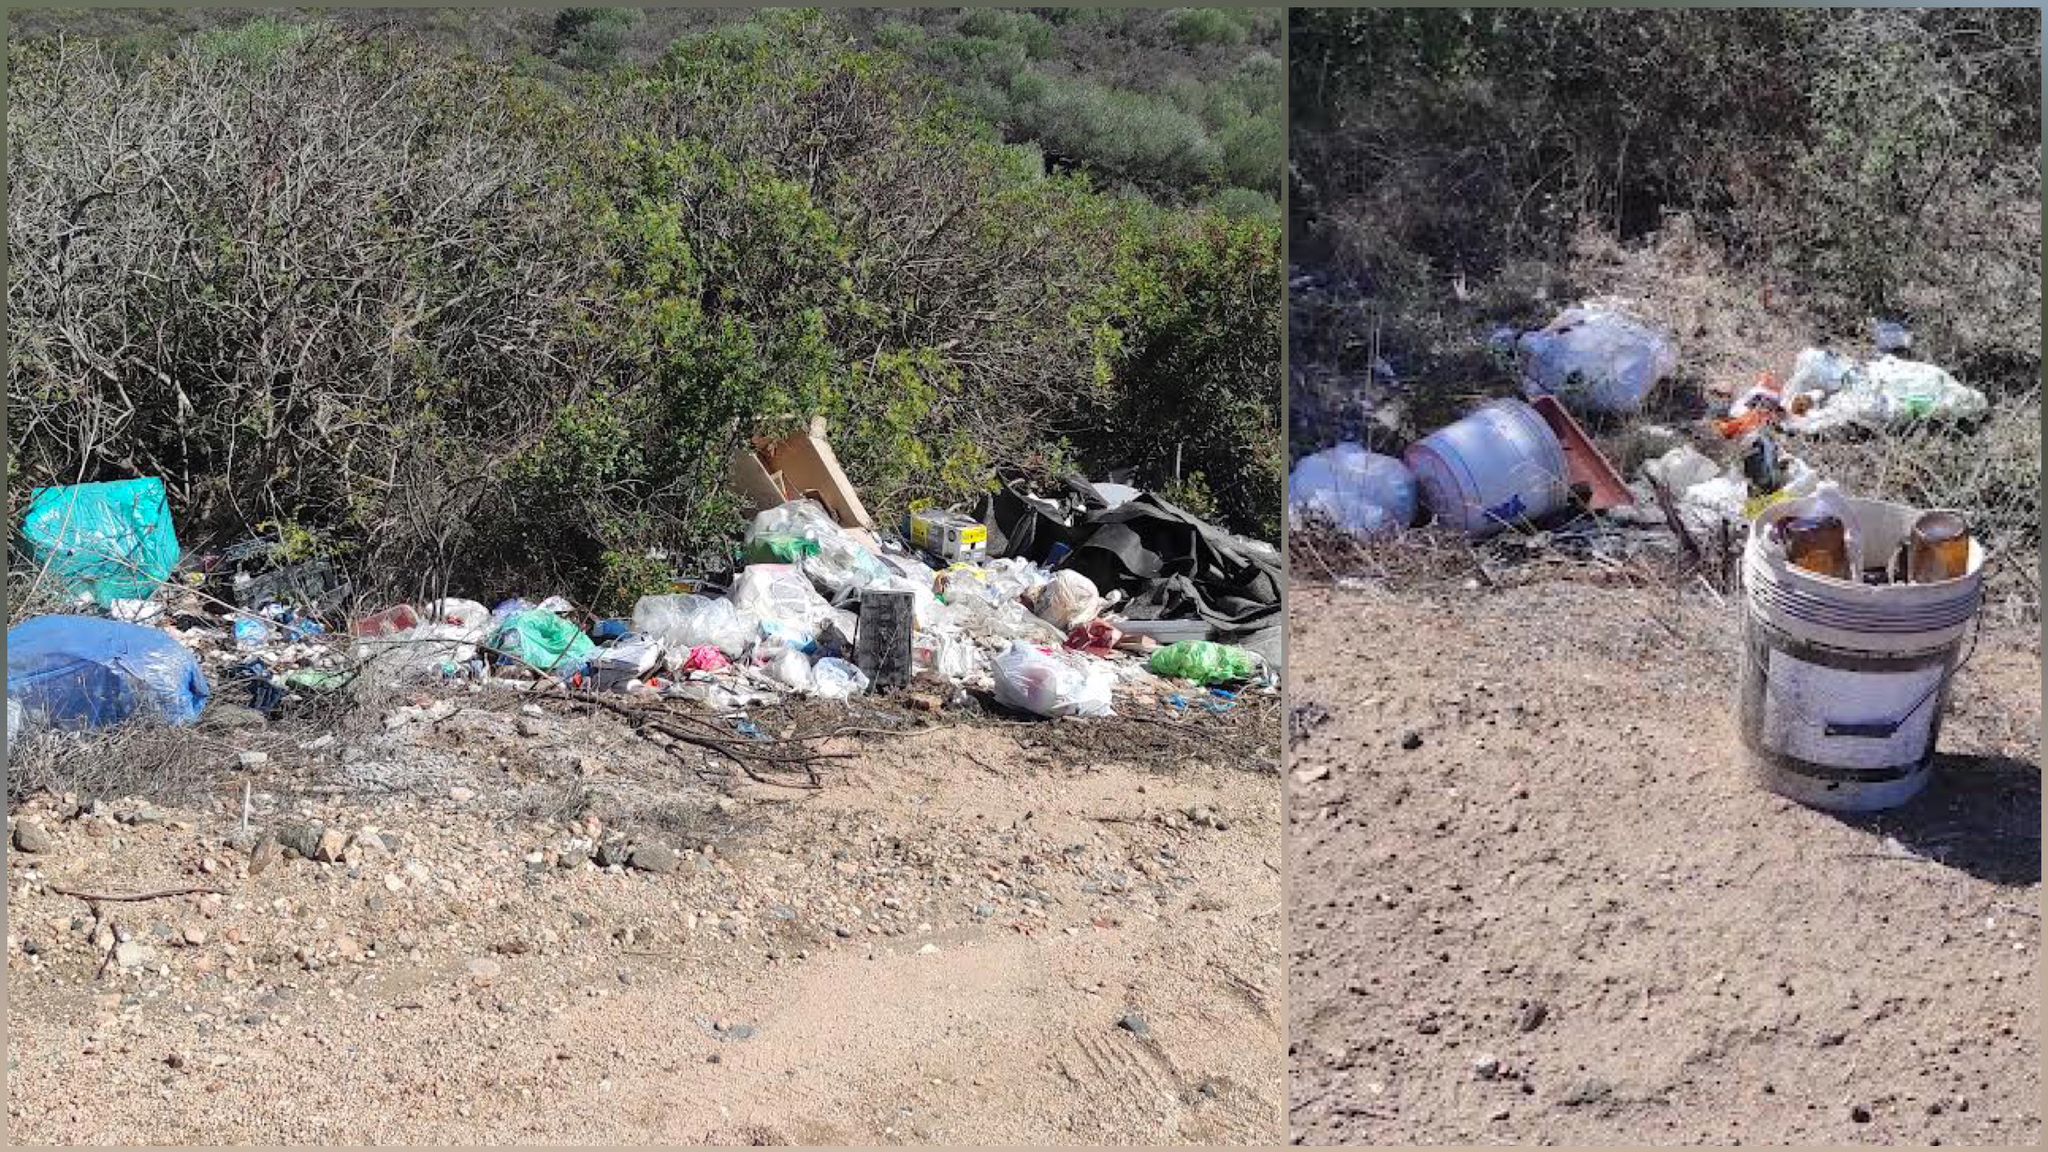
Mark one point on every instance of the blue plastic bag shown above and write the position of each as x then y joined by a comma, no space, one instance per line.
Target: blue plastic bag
84,672
110,541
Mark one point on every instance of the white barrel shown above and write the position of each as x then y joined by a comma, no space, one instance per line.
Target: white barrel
1496,467
1844,684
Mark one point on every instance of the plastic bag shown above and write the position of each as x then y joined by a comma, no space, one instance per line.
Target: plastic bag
1681,468
1594,357
1068,601
1204,662
543,641
1052,684
1362,493
952,656
792,667
997,625
835,679
84,672
705,658
110,541
780,594
465,614
630,659
683,623
1885,392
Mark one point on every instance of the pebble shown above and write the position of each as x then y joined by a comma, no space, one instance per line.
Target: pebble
928,950
485,969
657,858
1486,1066
1411,741
32,838
1135,1024
461,795
253,759
1859,1114
1533,1017
133,955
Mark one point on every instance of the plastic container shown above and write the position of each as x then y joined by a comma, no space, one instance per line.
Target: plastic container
1498,466
389,622
1844,684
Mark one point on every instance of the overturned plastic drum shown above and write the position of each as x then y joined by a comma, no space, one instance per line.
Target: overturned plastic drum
1496,467
1844,684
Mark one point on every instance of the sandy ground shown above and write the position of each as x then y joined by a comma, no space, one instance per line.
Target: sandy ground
977,932
1535,899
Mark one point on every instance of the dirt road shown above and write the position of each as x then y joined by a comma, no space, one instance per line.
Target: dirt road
975,933
1535,899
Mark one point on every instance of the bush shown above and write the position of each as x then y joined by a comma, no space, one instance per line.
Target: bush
591,39
499,335
1023,29
1196,27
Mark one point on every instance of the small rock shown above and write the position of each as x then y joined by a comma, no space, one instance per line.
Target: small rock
1135,1024
1586,1091
928,950
315,841
194,935
461,795
484,969
32,838
1411,741
393,883
530,727
1859,1114
253,759
657,858
133,955
1313,774
266,852
1486,1066
613,852
572,856
1533,1016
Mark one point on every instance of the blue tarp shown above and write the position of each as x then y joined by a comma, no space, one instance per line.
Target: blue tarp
111,541
85,672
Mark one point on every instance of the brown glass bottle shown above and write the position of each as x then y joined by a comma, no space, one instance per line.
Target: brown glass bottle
1817,543
1938,548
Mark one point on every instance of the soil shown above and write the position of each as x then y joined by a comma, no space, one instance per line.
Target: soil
978,930
1535,898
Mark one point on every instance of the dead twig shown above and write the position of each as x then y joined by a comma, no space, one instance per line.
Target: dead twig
97,898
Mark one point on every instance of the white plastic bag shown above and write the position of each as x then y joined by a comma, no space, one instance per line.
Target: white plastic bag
1068,601
792,667
836,679
685,622
1362,493
1052,684
1595,357
780,594
460,613
1879,394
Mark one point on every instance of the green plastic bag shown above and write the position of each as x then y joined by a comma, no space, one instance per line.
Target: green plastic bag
1204,662
780,549
543,640
110,541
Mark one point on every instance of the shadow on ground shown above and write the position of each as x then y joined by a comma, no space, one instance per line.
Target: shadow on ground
1980,814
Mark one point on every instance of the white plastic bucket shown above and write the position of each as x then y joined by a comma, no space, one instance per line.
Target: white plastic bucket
1500,465
1844,684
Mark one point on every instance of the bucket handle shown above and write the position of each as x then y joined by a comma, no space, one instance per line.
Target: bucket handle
1880,729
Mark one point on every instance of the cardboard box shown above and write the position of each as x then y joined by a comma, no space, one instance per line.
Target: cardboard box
799,467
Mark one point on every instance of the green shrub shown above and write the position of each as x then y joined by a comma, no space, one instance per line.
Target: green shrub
1196,27
255,43
1023,29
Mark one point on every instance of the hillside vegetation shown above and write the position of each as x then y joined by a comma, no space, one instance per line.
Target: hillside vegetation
1758,179
446,317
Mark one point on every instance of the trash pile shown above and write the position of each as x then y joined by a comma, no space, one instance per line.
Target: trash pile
1528,463
1050,604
